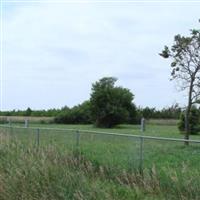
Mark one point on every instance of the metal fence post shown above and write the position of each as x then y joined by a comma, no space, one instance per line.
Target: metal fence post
143,124
9,121
26,123
38,137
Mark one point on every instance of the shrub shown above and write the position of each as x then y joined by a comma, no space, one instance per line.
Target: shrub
77,115
194,120
110,105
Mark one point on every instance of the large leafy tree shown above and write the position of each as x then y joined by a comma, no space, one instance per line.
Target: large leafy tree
110,105
185,64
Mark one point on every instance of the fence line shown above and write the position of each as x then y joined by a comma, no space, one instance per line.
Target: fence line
107,133
141,138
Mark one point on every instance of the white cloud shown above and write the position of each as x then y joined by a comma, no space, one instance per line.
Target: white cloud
54,52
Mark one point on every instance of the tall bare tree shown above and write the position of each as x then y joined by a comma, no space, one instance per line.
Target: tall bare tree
185,64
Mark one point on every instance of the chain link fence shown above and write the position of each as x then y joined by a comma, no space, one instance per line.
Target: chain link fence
113,150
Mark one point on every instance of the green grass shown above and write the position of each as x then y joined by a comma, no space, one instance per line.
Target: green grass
151,129
100,167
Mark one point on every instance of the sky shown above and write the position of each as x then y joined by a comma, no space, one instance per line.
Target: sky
54,51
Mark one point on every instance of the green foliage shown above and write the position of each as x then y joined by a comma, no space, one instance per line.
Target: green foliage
77,115
194,121
185,55
110,105
181,123
82,114
171,112
33,113
148,112
28,112
185,59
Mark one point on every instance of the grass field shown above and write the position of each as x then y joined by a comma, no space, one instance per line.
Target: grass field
21,119
97,166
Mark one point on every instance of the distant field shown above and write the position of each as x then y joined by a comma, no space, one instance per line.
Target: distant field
172,122
108,163
151,129
21,119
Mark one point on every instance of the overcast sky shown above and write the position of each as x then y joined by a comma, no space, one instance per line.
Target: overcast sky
53,52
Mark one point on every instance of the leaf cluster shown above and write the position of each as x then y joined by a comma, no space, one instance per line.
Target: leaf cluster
110,105
185,62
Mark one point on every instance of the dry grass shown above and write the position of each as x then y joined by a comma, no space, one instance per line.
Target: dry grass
21,119
171,122
29,173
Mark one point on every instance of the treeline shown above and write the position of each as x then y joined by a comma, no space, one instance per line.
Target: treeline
81,114
32,113
172,112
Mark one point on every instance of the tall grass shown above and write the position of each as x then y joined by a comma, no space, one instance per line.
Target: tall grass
51,173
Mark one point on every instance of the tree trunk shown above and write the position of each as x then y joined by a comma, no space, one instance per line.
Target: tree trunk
187,113
187,127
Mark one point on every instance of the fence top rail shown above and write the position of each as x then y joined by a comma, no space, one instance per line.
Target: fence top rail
106,133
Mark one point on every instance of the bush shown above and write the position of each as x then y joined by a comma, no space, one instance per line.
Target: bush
77,115
110,105
194,120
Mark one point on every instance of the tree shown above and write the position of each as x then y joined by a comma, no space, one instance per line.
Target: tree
148,113
28,112
110,105
194,120
185,56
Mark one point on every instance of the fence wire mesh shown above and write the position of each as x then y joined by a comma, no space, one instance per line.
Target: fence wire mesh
121,151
